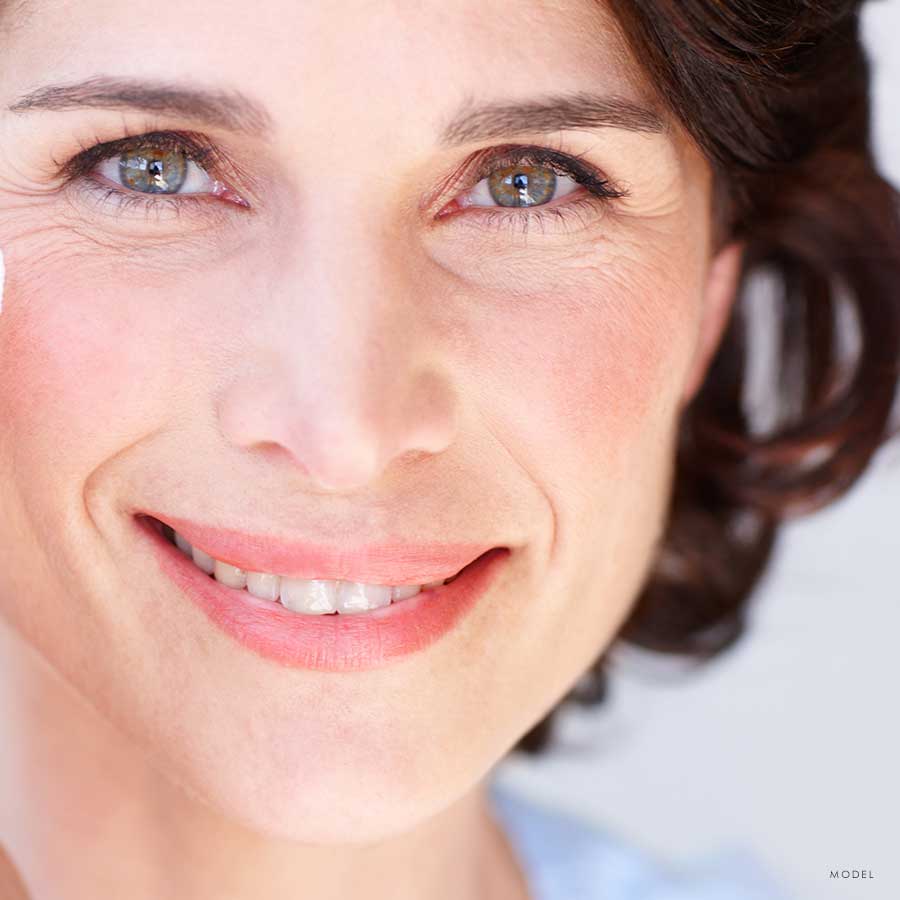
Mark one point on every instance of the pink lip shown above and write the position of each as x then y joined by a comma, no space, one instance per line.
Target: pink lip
330,642
371,564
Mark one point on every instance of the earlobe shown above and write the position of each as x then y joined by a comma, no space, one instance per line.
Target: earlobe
718,301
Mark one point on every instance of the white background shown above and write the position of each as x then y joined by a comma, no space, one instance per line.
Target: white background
790,744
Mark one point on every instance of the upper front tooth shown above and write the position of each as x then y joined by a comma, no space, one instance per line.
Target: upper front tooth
230,575
356,597
309,595
263,585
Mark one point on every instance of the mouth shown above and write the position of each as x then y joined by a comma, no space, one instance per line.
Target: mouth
303,596
326,623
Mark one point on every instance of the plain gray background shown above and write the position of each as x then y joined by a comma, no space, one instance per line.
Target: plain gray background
790,744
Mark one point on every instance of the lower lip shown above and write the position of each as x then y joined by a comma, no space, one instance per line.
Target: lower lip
331,643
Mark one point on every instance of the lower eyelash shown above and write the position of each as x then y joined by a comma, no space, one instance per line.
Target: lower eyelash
523,218
122,201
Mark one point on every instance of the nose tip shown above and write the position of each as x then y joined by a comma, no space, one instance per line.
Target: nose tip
329,462
328,437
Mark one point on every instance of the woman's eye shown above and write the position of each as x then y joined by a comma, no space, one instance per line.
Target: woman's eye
519,185
151,170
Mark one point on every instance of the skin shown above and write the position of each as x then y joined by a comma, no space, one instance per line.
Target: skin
331,358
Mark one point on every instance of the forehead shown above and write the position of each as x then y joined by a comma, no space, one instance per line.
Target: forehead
355,56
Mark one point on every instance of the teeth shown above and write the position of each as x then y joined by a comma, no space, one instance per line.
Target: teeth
300,595
230,575
264,586
316,596
354,597
206,562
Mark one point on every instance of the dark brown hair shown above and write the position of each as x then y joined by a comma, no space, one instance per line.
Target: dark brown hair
776,95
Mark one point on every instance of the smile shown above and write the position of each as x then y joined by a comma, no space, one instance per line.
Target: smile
307,596
321,607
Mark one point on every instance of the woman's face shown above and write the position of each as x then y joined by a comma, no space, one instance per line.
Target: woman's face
335,332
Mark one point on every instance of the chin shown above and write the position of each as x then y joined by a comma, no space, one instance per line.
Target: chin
357,793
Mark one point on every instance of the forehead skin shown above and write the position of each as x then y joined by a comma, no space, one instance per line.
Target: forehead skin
422,51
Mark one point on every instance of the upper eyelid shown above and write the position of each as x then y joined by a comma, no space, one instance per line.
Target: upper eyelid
483,161
202,150
196,147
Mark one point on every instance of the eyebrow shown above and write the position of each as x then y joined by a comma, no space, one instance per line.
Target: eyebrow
230,110
234,111
557,112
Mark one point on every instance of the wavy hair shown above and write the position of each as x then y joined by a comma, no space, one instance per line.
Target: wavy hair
776,95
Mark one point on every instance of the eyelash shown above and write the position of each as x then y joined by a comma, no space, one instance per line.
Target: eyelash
197,148
601,192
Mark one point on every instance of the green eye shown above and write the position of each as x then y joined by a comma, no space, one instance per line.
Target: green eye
157,170
522,185
153,171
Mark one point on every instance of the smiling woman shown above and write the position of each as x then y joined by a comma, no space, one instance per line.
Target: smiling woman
368,370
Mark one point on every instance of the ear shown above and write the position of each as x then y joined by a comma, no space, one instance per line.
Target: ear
718,299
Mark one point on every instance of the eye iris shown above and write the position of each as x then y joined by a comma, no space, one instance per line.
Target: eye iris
522,185
153,171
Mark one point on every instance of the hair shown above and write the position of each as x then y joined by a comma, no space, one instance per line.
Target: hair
776,95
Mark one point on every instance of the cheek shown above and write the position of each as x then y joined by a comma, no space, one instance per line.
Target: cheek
579,386
89,358
587,372
72,362
72,375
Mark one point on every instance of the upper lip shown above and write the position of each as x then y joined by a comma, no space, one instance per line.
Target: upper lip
379,563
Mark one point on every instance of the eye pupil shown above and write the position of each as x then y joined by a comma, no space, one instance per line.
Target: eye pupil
522,185
153,171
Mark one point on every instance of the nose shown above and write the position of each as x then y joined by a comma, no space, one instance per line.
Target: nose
340,375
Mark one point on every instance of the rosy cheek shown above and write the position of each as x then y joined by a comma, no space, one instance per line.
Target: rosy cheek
73,364
582,379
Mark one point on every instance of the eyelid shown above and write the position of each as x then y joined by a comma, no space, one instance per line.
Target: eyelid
486,160
571,164
196,147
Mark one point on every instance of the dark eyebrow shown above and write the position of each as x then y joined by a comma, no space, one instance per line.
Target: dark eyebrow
230,110
234,111
559,112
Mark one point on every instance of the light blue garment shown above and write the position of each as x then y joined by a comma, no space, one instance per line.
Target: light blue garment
568,858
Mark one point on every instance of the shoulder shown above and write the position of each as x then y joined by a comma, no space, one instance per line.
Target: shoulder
566,856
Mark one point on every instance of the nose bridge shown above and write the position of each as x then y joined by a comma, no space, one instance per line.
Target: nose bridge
347,314
351,380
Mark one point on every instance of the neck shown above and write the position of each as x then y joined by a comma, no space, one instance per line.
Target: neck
86,814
